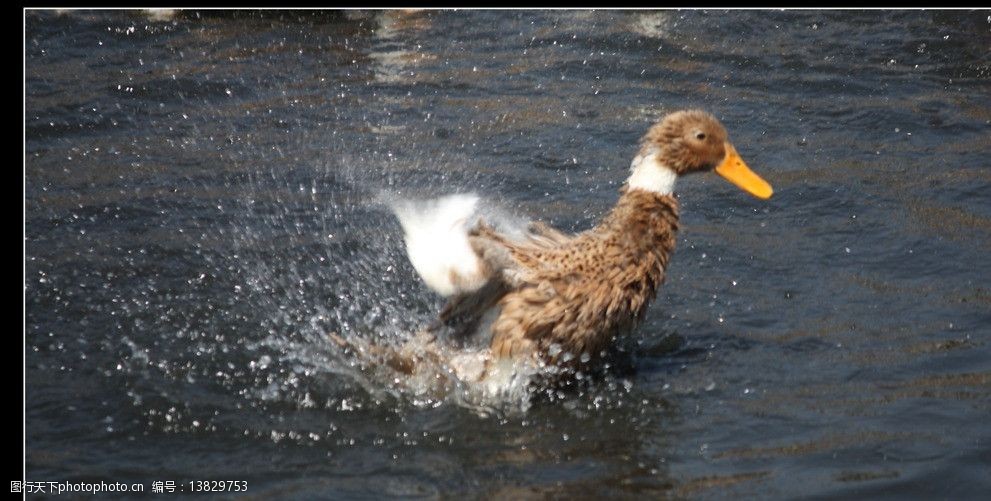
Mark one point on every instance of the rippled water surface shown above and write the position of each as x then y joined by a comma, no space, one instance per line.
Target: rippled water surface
203,203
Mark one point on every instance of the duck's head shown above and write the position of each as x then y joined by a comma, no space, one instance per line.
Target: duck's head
690,141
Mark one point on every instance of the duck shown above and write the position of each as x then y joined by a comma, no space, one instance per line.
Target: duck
544,296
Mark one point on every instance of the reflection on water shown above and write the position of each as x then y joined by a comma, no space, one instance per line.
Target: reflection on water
202,207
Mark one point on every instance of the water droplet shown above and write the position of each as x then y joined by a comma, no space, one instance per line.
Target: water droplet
264,361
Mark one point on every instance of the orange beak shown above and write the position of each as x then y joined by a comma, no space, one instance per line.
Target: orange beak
734,170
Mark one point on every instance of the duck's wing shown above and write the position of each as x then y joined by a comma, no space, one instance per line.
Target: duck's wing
561,286
541,235
472,263
436,235
456,253
464,314
499,255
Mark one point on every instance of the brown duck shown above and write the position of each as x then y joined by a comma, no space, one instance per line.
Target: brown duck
541,295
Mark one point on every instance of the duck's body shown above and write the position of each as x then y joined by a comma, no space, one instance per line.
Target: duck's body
562,299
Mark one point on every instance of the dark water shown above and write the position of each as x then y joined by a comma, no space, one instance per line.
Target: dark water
202,205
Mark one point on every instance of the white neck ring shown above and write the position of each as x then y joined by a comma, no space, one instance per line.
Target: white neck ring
649,174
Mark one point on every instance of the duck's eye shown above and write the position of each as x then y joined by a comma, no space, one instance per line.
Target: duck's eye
700,136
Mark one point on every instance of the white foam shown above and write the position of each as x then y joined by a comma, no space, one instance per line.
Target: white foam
436,233
488,383
467,377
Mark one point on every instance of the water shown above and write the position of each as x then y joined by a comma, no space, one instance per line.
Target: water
203,204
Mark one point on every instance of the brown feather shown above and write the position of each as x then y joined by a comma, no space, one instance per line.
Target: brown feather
576,296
